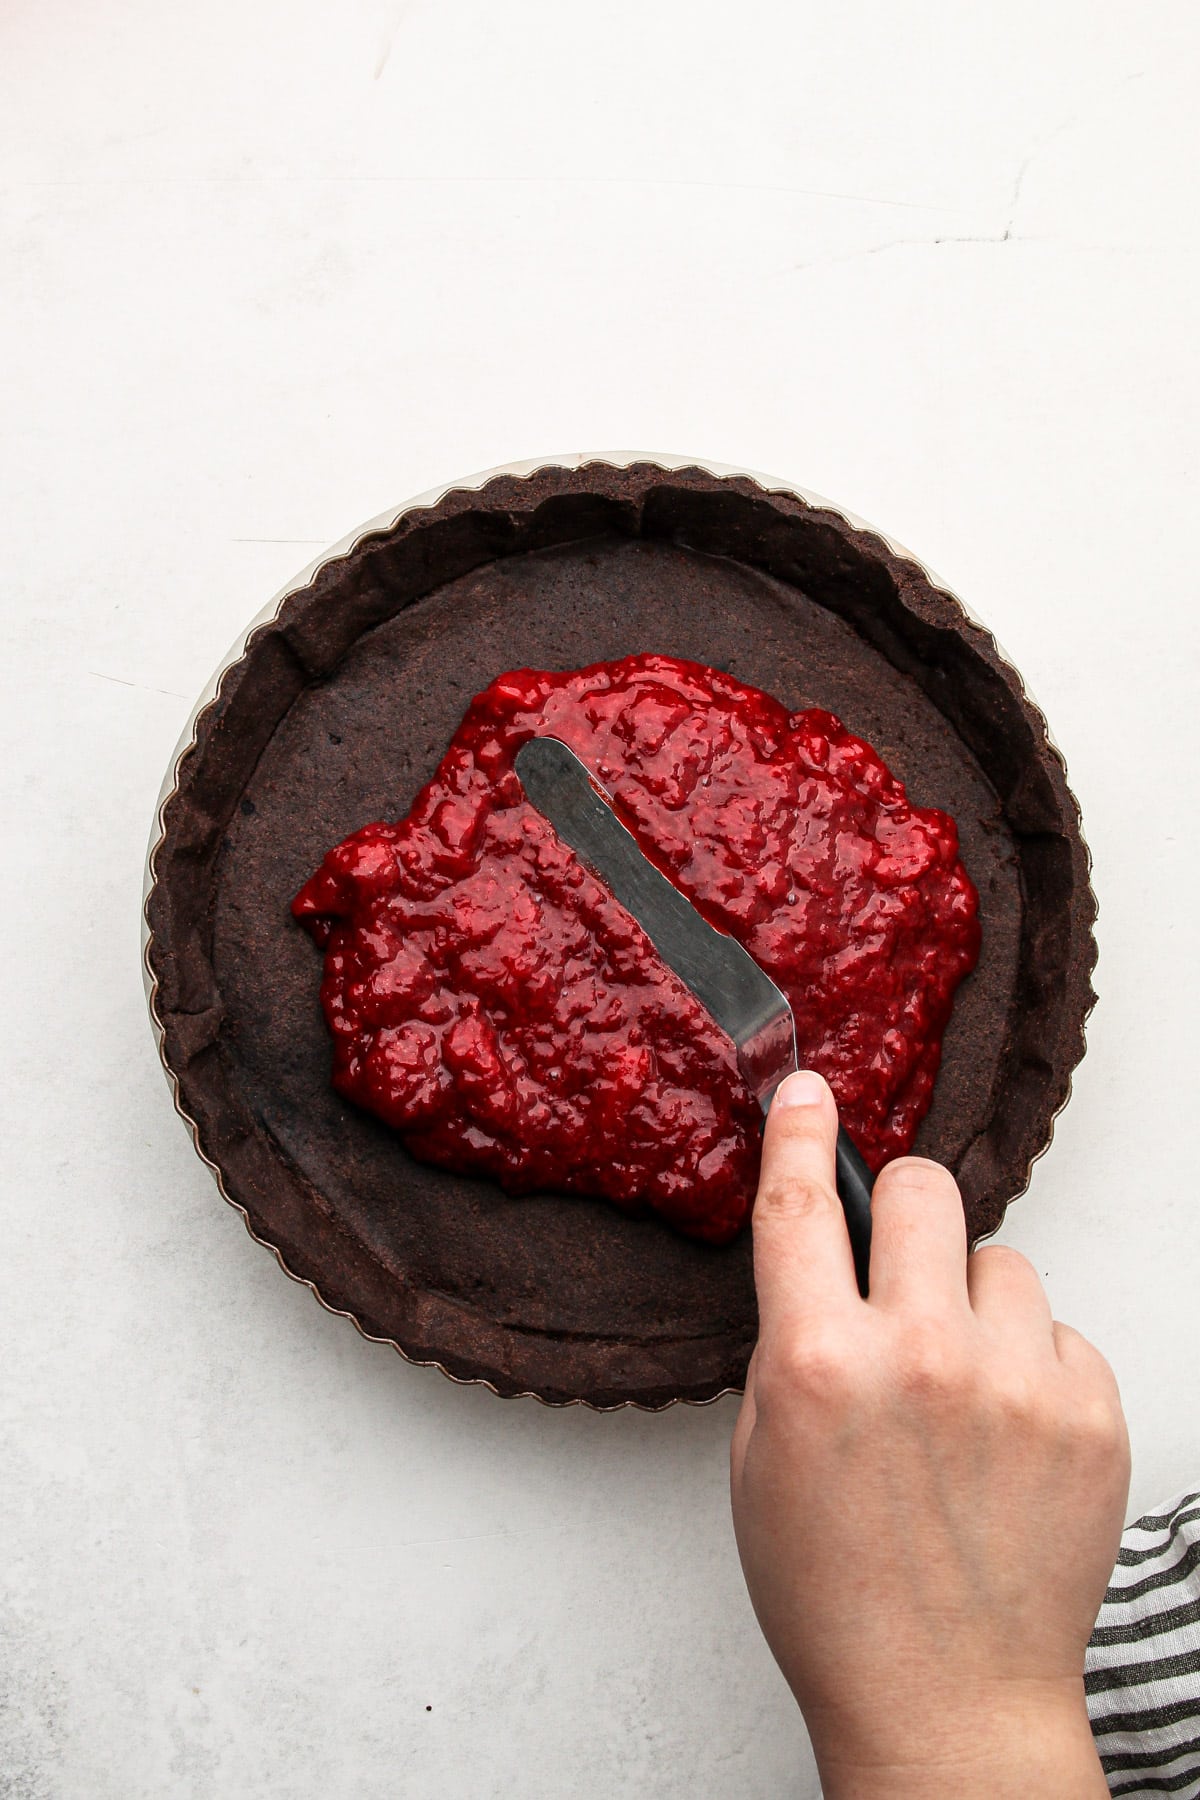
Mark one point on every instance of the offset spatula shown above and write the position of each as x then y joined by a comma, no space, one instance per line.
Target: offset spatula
724,977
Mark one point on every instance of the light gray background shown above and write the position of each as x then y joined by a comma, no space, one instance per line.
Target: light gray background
269,267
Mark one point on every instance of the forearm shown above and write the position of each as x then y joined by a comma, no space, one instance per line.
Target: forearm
1041,1751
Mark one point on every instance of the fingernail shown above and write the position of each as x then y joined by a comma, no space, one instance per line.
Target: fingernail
804,1088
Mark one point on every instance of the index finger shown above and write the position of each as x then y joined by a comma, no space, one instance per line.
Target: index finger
803,1266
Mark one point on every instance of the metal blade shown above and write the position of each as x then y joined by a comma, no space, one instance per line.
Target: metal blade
726,980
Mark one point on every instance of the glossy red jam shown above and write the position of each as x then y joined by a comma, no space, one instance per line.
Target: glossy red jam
490,1000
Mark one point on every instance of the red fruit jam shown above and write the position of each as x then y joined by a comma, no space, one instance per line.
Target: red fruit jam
489,998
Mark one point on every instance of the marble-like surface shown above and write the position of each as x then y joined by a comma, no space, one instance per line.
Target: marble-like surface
268,268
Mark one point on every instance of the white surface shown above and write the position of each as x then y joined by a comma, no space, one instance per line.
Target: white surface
267,268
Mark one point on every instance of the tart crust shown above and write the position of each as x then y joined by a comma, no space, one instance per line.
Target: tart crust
338,709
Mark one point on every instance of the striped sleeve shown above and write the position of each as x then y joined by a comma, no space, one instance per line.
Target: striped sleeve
1143,1663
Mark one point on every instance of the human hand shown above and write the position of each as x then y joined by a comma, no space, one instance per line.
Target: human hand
928,1486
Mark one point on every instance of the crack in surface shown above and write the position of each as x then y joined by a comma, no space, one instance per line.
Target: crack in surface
143,686
1008,235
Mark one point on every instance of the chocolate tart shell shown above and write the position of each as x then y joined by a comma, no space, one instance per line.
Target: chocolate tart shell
338,706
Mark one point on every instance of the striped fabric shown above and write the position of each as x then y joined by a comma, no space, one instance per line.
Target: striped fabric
1143,1663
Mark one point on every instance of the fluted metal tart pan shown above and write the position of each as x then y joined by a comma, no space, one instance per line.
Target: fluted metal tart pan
335,708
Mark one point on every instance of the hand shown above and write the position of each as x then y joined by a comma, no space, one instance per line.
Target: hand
928,1486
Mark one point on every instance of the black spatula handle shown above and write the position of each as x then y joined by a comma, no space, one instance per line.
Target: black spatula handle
854,1184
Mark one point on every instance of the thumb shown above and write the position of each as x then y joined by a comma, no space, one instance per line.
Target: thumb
803,1265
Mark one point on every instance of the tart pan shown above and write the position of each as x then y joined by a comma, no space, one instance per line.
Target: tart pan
336,708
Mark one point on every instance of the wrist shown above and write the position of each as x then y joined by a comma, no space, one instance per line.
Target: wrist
1018,1743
